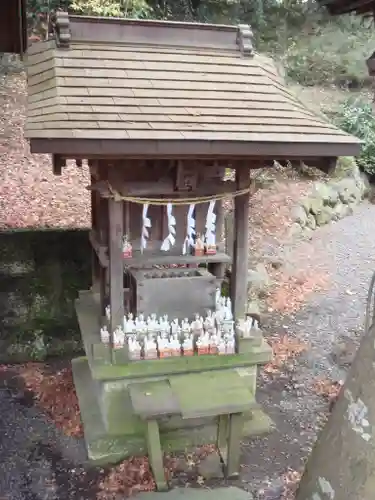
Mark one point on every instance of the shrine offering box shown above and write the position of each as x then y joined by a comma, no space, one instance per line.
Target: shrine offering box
178,292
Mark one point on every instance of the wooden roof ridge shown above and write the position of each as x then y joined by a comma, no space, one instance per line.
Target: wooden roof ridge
68,29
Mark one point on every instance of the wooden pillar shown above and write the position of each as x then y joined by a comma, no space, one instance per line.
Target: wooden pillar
103,238
218,268
95,266
240,245
220,226
116,266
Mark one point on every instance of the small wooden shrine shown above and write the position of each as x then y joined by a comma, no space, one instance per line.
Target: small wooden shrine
160,110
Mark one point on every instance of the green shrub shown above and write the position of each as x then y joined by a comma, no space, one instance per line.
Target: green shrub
356,116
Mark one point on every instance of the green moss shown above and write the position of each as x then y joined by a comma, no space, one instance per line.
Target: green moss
169,366
41,273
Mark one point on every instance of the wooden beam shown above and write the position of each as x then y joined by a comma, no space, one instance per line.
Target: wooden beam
116,267
148,188
240,246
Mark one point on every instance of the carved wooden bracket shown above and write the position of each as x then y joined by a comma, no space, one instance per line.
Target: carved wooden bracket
61,29
245,40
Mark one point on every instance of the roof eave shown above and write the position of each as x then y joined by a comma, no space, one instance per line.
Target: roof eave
147,148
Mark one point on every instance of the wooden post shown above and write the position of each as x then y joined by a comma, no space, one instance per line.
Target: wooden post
240,245
116,266
103,237
220,226
95,266
99,171
218,268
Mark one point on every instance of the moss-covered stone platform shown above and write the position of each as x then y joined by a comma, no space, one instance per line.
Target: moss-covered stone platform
230,493
112,430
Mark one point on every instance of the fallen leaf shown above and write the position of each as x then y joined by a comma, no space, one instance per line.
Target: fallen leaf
284,348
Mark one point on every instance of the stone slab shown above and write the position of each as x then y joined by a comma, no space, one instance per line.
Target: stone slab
180,365
211,393
153,399
231,493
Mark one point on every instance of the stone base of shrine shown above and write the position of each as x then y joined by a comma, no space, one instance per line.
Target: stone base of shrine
123,435
112,430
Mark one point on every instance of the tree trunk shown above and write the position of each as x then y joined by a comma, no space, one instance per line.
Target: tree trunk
342,463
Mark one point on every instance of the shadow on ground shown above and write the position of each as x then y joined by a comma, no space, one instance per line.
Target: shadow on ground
37,460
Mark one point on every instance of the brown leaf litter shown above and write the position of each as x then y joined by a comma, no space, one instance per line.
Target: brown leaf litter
328,389
134,475
284,349
55,393
31,196
291,291
129,477
270,209
292,478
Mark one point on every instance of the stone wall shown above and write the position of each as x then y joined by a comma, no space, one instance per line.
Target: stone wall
329,201
40,275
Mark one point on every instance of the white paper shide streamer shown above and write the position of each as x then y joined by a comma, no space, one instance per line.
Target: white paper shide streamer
211,227
146,224
170,239
190,230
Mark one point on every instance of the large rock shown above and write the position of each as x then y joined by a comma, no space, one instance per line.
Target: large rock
211,467
253,309
305,204
340,211
345,166
311,222
307,234
258,280
326,193
299,215
295,230
315,204
348,191
351,207
362,184
324,216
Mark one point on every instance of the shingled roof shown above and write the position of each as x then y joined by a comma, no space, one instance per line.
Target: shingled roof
150,88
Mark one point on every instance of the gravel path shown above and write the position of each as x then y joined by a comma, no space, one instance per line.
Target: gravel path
37,462
332,322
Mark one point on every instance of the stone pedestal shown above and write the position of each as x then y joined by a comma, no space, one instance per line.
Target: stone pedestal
112,431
